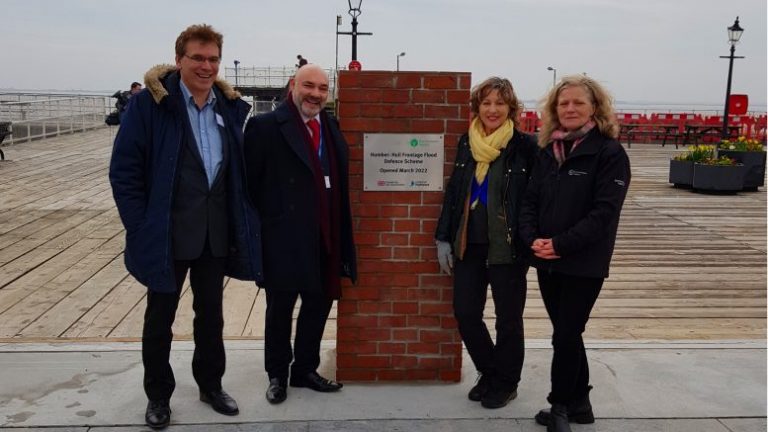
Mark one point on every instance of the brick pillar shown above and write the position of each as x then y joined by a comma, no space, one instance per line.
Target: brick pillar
397,323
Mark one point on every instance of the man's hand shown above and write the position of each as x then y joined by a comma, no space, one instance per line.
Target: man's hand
544,249
445,256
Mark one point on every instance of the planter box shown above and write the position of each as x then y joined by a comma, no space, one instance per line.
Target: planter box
681,173
754,163
720,178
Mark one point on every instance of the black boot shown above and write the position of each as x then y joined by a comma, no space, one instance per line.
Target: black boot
579,411
558,419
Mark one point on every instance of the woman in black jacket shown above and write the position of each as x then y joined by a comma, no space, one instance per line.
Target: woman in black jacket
478,225
569,219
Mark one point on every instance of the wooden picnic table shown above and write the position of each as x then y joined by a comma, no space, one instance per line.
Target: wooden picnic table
664,130
694,132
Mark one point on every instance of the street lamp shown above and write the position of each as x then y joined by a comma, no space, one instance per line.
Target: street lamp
402,54
554,75
354,11
338,23
237,62
734,34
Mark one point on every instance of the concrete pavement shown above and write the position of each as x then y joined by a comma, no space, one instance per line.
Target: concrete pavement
717,386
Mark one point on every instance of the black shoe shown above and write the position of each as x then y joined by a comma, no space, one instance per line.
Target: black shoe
158,414
558,419
220,401
276,392
482,385
499,395
315,382
579,411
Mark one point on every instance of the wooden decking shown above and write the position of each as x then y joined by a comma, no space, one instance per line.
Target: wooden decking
687,265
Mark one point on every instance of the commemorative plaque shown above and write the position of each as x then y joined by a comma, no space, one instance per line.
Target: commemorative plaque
403,162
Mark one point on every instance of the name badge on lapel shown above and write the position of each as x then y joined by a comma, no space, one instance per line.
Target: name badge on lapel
219,120
327,182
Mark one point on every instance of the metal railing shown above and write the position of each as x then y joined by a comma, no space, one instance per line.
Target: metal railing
269,77
35,116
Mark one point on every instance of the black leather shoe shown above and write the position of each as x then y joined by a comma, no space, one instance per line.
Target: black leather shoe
158,414
499,395
315,382
220,401
558,419
276,392
579,411
481,387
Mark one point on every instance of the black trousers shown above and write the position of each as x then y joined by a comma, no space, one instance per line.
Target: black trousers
310,325
504,359
208,361
569,301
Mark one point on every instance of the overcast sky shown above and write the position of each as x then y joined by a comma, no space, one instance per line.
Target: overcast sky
642,50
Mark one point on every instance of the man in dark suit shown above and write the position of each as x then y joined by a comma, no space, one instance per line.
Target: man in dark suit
178,182
297,164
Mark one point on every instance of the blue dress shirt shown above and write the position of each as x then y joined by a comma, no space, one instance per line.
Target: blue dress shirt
206,129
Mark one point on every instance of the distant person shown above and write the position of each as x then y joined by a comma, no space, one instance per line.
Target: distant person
569,219
298,168
289,84
478,227
302,61
178,182
125,96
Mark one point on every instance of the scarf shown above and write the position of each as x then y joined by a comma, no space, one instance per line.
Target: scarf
577,136
486,148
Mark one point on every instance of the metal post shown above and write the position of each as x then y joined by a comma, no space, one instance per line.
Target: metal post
354,38
725,134
398,62
237,62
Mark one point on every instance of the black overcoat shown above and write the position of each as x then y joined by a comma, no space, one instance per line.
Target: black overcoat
281,184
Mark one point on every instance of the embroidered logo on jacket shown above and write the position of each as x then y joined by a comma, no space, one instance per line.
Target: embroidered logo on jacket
619,182
574,172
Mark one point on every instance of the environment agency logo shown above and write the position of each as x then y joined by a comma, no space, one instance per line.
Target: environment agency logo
414,142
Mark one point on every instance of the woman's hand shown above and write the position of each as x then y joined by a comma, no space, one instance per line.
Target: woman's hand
544,249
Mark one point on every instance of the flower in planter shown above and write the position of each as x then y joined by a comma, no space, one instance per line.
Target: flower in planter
742,143
722,160
696,153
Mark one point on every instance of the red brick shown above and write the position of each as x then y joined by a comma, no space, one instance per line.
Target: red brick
404,361
428,96
355,375
377,307
440,82
367,238
421,293
392,375
405,335
395,96
349,79
376,334
361,124
377,80
408,110
405,280
450,141
428,226
432,198
395,293
359,210
407,225
346,360
426,281
376,197
435,363
374,225
436,336
356,348
394,211
391,348
459,97
448,322
457,126
465,81
407,80
354,140
374,361
427,126
422,240
392,321
347,307
394,239
421,375
423,348
374,280
452,349
376,110
364,293
465,112
453,375
406,253
441,111
427,309
358,95
406,198
347,334
355,167
421,321
395,125
405,307
367,252
425,211
349,109
357,321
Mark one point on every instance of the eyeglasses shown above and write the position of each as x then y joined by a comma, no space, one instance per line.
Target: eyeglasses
197,58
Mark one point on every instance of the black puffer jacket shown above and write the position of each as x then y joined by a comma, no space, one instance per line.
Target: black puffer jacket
577,205
519,157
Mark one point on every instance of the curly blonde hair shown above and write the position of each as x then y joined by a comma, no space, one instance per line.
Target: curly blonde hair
604,116
506,91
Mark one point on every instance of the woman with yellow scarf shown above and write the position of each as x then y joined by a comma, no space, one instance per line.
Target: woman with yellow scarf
478,227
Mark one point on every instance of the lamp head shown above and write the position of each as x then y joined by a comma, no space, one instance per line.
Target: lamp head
734,32
354,7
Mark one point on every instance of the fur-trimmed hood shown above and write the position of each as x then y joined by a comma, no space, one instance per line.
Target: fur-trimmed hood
153,82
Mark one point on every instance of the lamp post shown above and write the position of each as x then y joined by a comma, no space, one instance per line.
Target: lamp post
402,54
338,23
237,62
554,75
734,34
354,11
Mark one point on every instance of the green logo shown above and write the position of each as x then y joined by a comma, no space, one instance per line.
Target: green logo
414,142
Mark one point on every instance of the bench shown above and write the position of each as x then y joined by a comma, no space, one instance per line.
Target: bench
5,130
